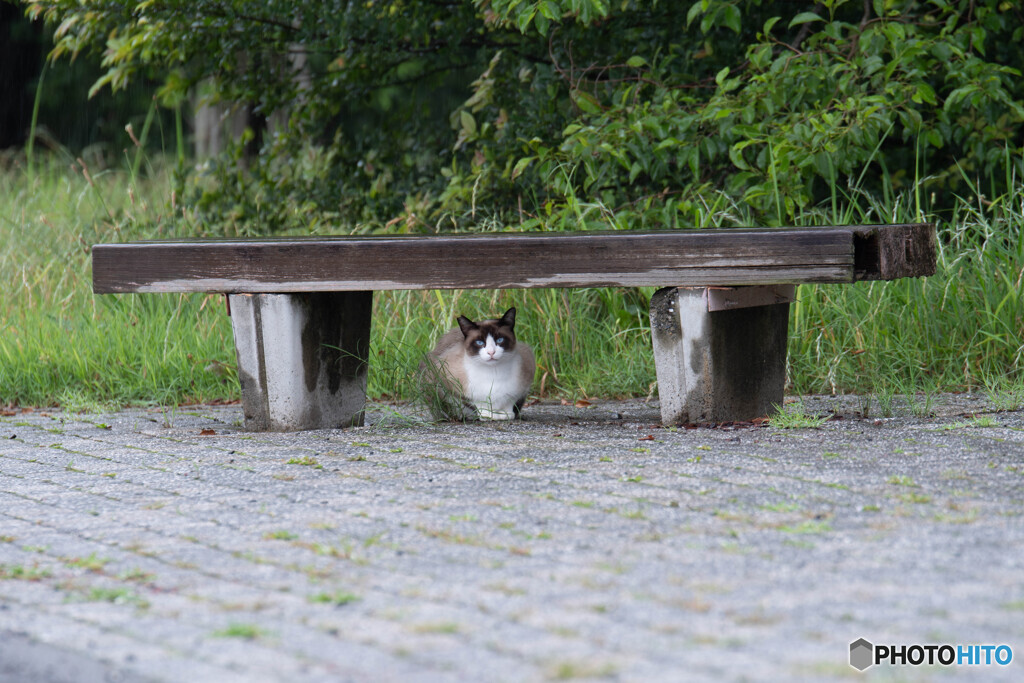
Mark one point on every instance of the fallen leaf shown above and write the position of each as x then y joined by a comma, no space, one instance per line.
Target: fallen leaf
649,437
582,404
207,432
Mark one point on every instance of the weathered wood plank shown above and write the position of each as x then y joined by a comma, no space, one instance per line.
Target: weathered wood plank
509,260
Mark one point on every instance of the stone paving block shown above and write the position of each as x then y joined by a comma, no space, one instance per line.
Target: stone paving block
567,545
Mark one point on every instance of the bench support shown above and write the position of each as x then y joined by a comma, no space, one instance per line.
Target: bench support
302,358
719,365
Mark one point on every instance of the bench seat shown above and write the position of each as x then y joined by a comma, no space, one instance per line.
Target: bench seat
301,306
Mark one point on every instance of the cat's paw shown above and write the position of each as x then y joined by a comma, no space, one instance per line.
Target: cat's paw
488,414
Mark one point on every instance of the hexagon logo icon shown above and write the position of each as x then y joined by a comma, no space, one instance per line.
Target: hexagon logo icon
862,654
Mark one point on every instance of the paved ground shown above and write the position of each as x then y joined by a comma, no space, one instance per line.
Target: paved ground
582,543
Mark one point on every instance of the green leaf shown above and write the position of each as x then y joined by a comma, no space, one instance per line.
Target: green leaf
636,61
924,93
521,166
721,75
550,10
524,19
468,122
542,23
804,18
731,17
586,102
695,10
737,159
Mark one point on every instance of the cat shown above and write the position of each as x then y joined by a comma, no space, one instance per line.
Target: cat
479,370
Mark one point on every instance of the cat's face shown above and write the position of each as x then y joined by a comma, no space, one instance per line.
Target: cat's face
487,342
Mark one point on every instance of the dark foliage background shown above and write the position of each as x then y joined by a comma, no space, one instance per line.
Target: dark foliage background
575,114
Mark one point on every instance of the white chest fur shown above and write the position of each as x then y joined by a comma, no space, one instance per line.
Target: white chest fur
494,387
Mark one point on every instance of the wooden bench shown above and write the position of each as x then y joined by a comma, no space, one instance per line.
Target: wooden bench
300,308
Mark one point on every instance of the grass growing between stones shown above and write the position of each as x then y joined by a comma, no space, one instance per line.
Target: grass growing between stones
242,631
337,598
21,572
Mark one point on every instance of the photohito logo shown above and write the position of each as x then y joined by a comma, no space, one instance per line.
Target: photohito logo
863,654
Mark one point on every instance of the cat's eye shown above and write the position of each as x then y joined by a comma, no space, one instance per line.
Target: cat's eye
499,340
479,342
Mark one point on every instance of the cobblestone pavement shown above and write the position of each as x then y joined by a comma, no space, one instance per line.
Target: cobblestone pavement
582,543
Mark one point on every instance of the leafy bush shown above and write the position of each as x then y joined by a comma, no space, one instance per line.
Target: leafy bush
424,115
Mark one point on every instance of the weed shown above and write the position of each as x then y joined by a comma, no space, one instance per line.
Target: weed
117,596
1005,395
795,417
243,631
306,460
23,573
980,422
886,396
280,535
337,598
91,563
468,517
569,670
915,497
808,526
901,480
781,507
443,627
137,576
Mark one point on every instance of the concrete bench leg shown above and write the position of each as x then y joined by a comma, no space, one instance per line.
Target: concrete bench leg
302,358
719,365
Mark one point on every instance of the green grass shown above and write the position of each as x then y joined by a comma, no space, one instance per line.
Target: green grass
795,417
962,328
23,573
243,631
61,345
337,598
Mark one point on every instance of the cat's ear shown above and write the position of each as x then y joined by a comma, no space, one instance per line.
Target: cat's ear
509,318
466,325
